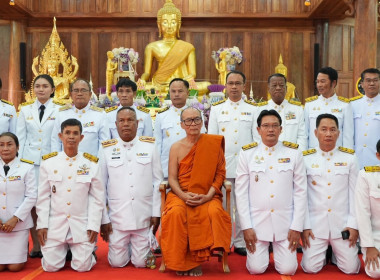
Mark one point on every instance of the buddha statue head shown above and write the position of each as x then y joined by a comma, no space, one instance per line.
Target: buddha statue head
52,68
281,68
169,20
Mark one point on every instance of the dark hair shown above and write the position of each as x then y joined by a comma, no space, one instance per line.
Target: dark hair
124,82
186,83
126,108
378,146
331,72
47,78
369,70
12,135
188,108
236,72
327,116
71,122
276,75
77,80
268,113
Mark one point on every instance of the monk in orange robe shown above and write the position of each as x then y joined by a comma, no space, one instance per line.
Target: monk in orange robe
194,222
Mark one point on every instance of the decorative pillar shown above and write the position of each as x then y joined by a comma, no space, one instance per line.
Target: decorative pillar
365,46
18,35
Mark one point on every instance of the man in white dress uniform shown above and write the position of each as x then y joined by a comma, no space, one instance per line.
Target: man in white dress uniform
131,169
271,197
330,218
70,203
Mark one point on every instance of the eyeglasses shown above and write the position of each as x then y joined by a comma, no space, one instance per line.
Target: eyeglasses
269,126
82,90
196,120
231,84
368,81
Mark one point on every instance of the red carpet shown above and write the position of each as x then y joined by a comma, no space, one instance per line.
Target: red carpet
211,270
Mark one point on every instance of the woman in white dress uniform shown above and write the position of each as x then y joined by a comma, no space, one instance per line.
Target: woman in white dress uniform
18,194
34,127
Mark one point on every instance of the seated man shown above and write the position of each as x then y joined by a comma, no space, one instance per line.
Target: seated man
193,221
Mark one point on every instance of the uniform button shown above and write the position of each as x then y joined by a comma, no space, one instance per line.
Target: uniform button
270,154
235,143
235,108
5,180
364,145
235,119
366,124
329,183
40,131
368,113
40,140
69,177
84,111
79,116
271,195
270,167
266,148
68,203
365,134
70,164
4,193
328,170
271,181
235,130
68,190
177,123
272,210
235,154
67,158
328,159
177,133
4,207
329,210
329,197
39,149
68,216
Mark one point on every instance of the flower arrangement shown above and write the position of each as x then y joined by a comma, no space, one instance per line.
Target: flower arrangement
233,55
125,55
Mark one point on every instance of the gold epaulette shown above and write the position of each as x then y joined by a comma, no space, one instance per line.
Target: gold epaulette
344,99
27,103
262,103
347,150
375,168
147,139
143,109
290,145
8,102
250,102
163,110
66,107
356,97
90,157
312,98
110,109
309,152
110,142
295,102
92,107
53,154
218,102
27,161
249,146
58,102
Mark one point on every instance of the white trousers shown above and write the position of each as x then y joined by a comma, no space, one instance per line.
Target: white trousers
314,258
129,245
285,261
369,271
237,236
54,254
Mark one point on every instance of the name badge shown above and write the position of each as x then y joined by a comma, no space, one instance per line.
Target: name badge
14,178
8,115
283,160
340,163
336,110
142,154
88,124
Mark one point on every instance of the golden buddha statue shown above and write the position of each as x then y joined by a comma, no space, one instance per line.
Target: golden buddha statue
282,69
111,67
53,55
176,58
222,68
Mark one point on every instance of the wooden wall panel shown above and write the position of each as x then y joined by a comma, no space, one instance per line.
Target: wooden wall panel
378,50
84,56
296,61
335,46
5,32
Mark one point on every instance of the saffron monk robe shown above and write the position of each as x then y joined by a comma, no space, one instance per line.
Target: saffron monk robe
193,221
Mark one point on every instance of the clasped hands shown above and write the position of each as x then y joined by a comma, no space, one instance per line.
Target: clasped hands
194,199
9,225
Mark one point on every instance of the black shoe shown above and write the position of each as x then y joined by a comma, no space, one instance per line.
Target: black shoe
241,251
36,254
69,256
157,251
329,254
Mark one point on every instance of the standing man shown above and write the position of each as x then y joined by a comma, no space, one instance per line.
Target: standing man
329,102
367,202
234,119
133,207
271,197
70,203
126,91
291,112
167,128
330,219
93,119
366,110
8,116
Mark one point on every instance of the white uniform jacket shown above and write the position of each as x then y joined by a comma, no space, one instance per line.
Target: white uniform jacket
167,131
35,136
367,202
331,179
70,197
8,117
145,127
18,193
340,108
132,172
367,128
270,190
94,123
293,122
236,122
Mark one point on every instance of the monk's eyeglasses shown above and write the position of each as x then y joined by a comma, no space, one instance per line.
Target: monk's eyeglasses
196,120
